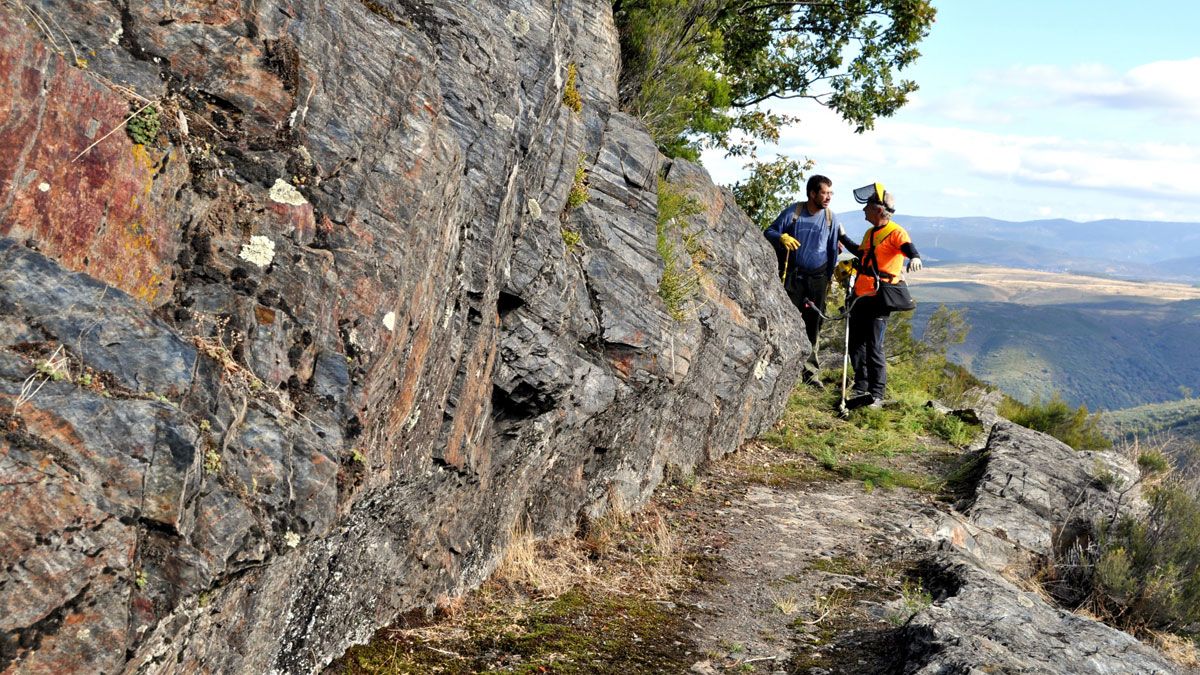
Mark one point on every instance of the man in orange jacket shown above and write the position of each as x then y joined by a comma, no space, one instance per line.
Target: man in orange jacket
882,254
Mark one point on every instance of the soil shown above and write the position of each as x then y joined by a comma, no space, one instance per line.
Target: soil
811,576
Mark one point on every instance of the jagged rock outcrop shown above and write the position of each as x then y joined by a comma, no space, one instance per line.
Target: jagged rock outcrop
982,623
306,359
1031,497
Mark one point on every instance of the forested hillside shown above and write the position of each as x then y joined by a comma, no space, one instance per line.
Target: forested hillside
1094,344
1174,424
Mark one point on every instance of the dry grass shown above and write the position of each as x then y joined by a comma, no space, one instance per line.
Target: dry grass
55,367
1179,649
617,555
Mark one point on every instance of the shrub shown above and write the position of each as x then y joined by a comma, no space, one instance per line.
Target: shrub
770,188
1077,428
1146,572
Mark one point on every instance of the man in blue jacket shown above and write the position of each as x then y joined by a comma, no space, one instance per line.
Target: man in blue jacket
805,236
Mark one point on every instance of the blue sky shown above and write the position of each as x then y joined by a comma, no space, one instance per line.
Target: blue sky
1027,110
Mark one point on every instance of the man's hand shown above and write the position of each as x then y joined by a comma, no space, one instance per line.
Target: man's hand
914,265
789,242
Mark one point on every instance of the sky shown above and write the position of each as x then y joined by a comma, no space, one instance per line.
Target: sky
1028,110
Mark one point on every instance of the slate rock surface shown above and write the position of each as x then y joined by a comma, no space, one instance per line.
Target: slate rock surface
306,358
1032,497
981,623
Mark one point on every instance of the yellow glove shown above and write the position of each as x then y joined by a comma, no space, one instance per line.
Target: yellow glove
914,265
789,242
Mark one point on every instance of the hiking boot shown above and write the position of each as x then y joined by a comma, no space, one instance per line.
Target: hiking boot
876,404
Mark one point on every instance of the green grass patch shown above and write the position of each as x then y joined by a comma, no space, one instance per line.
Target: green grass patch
574,633
858,448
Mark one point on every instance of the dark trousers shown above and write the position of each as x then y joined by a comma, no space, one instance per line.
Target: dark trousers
868,321
807,292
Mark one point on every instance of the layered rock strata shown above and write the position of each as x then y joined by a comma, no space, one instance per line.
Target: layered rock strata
306,357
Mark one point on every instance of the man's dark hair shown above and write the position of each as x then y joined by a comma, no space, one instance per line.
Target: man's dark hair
815,182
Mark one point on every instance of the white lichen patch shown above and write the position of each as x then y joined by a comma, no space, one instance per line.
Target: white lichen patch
517,24
389,321
260,251
412,420
760,368
115,38
44,187
503,122
286,193
535,209
291,539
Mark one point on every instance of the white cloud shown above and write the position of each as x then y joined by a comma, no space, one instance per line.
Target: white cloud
939,167
1163,87
959,192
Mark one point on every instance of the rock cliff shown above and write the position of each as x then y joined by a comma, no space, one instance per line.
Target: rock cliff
307,356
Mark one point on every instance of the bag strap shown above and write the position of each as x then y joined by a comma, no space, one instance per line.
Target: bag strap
875,239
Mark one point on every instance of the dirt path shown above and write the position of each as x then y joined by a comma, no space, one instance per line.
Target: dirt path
805,575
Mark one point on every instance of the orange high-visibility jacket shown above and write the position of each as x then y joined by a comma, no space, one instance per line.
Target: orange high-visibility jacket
886,242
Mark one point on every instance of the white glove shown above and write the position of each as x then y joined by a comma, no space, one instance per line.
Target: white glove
914,265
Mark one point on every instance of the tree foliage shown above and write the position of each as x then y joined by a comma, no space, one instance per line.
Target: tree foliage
770,188
699,71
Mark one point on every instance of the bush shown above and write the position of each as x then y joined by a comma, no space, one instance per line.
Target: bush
1077,428
921,366
1146,572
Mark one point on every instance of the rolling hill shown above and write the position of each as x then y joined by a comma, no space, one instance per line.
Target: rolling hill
1103,343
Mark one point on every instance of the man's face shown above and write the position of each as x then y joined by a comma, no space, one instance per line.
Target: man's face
875,214
821,196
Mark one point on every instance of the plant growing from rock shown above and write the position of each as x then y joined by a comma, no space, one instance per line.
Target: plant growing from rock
579,190
571,97
144,126
219,345
679,287
571,238
53,368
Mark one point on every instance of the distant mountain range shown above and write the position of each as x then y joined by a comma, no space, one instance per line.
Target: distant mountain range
1125,249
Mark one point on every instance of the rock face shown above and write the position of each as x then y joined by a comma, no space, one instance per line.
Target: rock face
1031,494
307,358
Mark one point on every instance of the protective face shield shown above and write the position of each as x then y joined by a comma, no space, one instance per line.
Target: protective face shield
875,194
